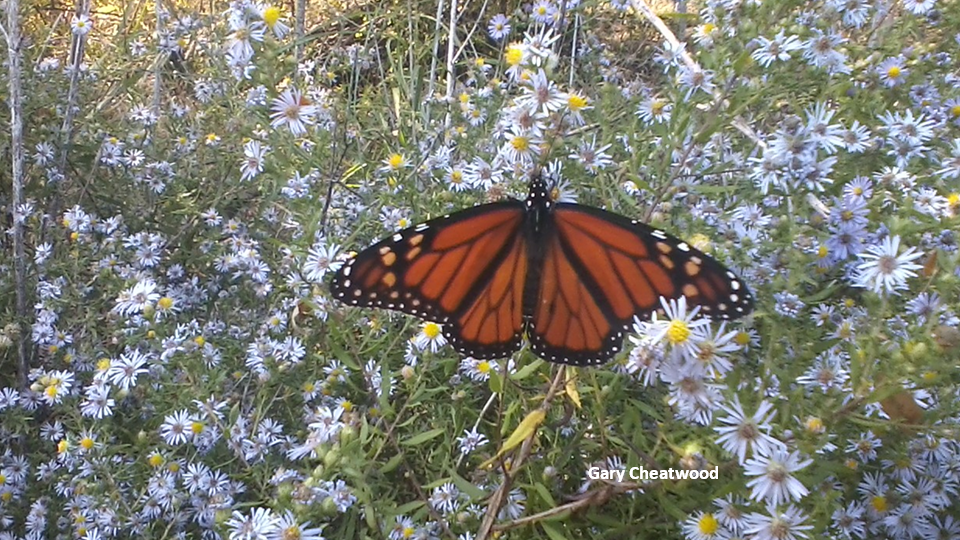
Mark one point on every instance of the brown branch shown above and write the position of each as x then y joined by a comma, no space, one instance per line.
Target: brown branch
590,499
15,66
496,500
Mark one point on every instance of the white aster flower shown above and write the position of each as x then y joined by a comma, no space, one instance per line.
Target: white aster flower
774,482
884,269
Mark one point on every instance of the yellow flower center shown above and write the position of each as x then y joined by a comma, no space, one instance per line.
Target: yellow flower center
86,443
814,425
165,303
707,524
708,28
395,161
657,106
62,446
514,54
576,102
271,15
155,460
879,503
955,111
742,339
431,330
893,72
103,364
822,252
408,532
483,366
678,332
520,143
953,199
200,341
347,405
196,427
845,331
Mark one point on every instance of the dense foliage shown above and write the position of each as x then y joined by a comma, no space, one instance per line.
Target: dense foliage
196,172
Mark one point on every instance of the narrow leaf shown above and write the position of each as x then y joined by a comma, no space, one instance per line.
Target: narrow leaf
423,437
526,428
552,532
472,491
526,370
391,464
571,386
495,382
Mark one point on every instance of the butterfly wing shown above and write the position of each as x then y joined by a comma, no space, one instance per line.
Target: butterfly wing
601,269
466,270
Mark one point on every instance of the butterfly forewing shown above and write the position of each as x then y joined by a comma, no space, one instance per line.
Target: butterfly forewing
461,270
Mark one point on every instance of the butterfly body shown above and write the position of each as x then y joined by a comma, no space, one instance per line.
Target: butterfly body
570,277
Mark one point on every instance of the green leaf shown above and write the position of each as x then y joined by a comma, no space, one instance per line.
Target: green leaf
526,370
527,428
391,464
742,62
423,437
496,383
544,494
410,507
552,532
469,488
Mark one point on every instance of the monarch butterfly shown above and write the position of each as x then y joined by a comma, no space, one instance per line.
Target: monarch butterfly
570,277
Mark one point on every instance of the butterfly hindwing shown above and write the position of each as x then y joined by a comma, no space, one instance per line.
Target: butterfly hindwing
569,324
